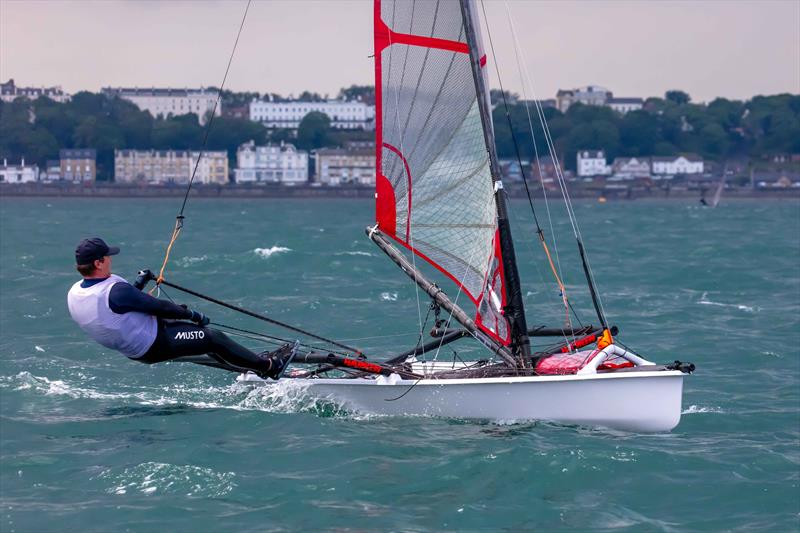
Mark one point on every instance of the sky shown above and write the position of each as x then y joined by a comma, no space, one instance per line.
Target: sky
708,48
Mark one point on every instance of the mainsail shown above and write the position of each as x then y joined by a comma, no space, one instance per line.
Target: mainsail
434,193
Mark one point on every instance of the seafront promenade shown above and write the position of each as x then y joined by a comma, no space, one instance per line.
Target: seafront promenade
515,190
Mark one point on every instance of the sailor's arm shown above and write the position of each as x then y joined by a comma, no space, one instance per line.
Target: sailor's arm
125,298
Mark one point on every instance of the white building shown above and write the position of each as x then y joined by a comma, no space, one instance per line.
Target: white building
596,95
682,164
589,95
343,115
52,170
631,167
624,105
170,166
592,163
21,173
354,164
170,102
10,92
271,164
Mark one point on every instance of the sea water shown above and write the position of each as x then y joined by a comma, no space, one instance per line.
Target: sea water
93,442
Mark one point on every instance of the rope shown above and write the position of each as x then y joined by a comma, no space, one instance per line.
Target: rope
567,200
255,335
261,317
180,218
175,232
539,231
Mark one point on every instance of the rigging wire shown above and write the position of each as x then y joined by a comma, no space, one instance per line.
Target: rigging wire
261,317
563,187
401,133
180,218
539,231
255,335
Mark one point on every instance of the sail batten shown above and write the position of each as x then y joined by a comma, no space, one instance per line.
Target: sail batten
434,190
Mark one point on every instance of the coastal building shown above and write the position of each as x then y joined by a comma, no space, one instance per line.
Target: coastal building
345,115
353,164
589,95
592,163
52,170
78,164
241,112
626,168
170,166
10,92
271,164
682,164
625,105
596,95
546,170
170,102
511,170
21,173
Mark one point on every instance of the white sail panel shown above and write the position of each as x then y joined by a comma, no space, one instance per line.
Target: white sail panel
435,192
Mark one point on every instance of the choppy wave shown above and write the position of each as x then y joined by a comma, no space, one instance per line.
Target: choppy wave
389,296
365,254
190,260
695,409
269,252
746,308
27,381
280,397
154,478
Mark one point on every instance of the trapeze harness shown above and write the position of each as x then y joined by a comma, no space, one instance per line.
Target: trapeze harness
146,329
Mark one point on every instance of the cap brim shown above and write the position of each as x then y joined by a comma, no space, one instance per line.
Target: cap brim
112,250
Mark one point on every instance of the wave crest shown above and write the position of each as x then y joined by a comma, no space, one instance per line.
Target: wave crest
269,252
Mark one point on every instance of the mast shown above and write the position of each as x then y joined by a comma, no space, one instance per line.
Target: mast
515,310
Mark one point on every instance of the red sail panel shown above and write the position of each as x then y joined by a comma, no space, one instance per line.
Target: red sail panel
434,191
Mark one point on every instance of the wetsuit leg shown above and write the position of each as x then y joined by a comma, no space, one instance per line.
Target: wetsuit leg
179,339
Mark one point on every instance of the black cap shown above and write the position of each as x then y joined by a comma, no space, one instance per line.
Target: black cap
89,250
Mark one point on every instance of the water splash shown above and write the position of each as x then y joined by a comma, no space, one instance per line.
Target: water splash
284,397
694,409
269,252
27,381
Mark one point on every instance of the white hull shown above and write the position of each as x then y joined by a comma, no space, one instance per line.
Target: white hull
630,401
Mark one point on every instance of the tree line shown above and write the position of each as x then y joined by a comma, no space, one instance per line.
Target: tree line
723,129
37,130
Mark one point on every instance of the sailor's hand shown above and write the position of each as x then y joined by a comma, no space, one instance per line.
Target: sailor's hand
200,319
142,278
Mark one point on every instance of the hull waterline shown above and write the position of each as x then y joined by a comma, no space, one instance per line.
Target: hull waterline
629,401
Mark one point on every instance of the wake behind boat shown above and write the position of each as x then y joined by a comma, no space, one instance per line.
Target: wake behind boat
440,200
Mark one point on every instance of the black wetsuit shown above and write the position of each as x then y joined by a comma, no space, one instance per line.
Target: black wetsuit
177,338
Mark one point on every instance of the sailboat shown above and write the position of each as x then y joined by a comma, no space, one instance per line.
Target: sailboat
720,187
440,200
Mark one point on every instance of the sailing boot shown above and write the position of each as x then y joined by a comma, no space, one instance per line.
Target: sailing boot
278,359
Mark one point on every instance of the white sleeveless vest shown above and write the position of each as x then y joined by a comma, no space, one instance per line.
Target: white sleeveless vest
130,333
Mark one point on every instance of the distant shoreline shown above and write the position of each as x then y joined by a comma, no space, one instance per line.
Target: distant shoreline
515,190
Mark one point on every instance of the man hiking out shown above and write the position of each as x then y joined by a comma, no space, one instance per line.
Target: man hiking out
149,330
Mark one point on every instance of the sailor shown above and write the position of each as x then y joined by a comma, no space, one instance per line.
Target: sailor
150,330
